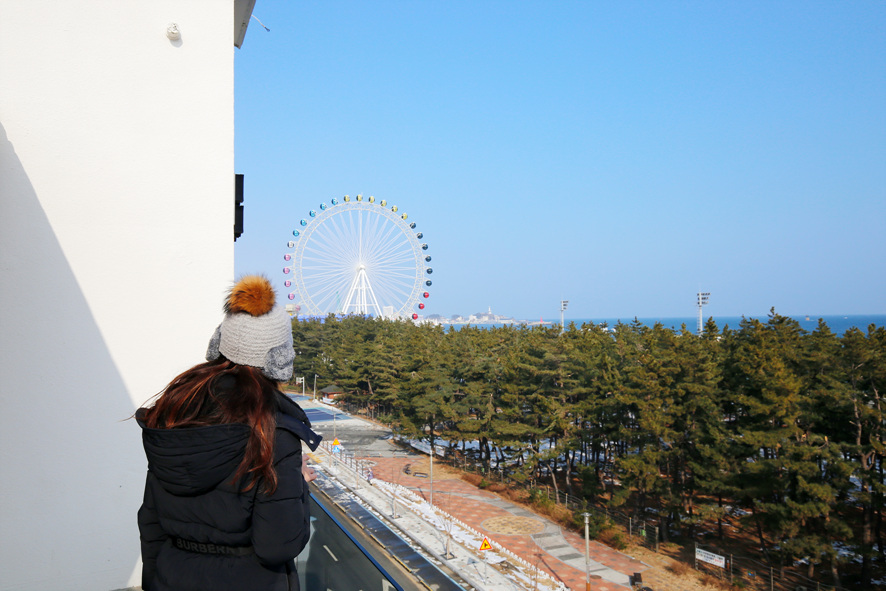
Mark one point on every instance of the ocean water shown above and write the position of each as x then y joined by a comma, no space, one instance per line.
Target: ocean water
837,324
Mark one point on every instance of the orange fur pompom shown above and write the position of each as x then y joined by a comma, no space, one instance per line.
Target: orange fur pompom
253,294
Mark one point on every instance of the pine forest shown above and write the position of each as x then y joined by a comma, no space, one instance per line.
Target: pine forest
781,426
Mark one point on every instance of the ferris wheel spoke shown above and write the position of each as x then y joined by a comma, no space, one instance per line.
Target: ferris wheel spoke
396,279
393,252
329,259
324,273
324,266
404,259
335,242
383,238
347,235
391,270
395,267
334,236
326,280
398,294
327,300
326,260
323,277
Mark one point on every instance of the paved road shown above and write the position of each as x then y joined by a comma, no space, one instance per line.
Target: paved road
527,541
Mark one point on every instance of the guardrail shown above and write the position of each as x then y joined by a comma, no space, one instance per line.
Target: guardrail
403,497
742,571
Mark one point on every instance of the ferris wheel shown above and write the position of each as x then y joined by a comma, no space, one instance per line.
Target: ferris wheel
357,256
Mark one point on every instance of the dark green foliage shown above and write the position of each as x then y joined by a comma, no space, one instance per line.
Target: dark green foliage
784,424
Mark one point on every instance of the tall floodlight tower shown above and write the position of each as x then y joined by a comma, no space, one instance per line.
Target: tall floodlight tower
563,304
703,297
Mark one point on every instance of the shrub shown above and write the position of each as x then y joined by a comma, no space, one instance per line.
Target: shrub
679,568
612,537
596,523
713,581
600,528
520,495
471,478
540,499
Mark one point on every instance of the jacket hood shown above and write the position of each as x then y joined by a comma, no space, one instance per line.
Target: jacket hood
194,460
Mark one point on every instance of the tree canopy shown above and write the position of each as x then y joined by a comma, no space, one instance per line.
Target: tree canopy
777,424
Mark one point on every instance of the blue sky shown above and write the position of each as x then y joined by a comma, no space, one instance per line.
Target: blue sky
620,155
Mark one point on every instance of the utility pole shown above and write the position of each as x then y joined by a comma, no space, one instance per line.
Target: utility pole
432,461
587,555
393,495
703,297
315,388
563,304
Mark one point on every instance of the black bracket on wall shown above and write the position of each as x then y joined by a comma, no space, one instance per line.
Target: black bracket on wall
238,206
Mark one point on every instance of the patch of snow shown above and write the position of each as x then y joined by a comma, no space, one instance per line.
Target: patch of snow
847,552
736,511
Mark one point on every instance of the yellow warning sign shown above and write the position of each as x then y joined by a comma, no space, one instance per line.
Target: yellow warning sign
485,545
335,441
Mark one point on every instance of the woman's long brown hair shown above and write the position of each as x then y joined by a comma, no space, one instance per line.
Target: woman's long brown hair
193,399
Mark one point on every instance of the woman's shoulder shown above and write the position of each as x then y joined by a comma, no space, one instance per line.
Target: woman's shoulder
291,418
287,406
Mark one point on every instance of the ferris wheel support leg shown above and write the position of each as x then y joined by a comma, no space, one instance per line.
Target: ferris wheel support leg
350,295
372,295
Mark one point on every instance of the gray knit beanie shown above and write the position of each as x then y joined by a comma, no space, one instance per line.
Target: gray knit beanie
254,331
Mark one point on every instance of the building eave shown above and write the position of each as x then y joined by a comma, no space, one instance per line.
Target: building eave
242,14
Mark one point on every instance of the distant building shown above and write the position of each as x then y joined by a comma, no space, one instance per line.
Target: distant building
330,392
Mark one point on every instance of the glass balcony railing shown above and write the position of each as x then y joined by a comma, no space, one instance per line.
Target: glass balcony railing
352,548
335,561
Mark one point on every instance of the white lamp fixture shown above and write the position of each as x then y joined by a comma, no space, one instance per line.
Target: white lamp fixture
172,32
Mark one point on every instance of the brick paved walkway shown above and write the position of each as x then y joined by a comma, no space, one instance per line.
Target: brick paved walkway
534,538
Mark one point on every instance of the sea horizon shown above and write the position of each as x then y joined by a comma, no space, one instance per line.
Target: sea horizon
837,323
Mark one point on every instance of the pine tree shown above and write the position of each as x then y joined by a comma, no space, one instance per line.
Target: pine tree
480,359
864,358
774,483
427,385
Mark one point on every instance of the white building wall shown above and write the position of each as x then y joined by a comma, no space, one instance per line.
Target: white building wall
116,247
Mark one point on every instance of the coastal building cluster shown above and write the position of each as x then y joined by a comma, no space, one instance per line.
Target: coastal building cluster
478,318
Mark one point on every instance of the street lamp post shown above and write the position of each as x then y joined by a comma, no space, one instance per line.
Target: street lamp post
393,495
587,555
301,381
563,304
433,418
315,388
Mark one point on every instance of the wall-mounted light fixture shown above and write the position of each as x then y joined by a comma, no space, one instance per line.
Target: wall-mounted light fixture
172,32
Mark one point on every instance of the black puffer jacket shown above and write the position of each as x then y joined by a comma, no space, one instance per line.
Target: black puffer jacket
235,541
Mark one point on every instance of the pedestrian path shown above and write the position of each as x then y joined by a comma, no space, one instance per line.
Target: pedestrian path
539,542
533,537
421,529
